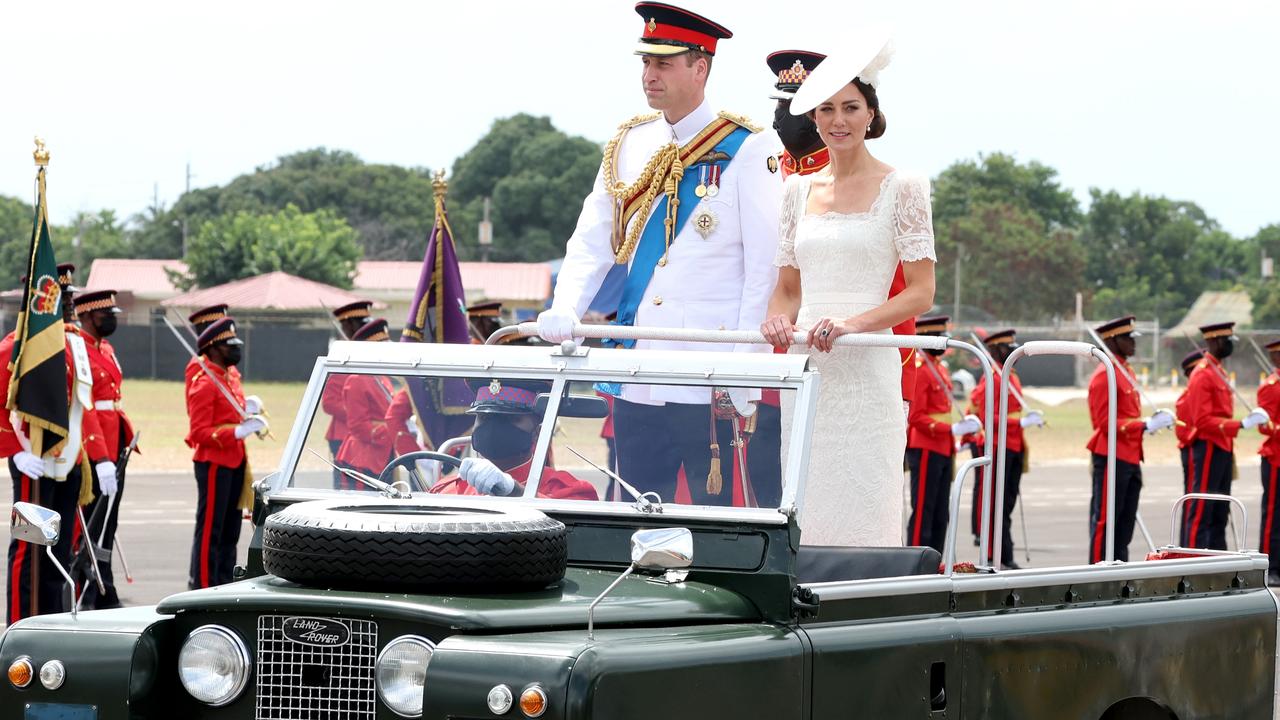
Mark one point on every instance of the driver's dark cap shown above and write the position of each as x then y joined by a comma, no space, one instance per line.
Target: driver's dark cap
1218,330
506,397
220,332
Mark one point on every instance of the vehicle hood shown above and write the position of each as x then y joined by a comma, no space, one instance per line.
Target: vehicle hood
636,600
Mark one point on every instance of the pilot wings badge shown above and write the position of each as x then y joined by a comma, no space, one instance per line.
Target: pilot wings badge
704,221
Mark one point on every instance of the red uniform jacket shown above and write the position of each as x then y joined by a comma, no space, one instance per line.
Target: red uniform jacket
929,425
812,163
555,484
368,443
1210,405
213,418
1129,423
1184,431
1269,400
398,414
331,403
978,406
107,379
92,441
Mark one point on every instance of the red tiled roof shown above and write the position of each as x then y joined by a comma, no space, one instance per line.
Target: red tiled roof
274,291
145,278
508,282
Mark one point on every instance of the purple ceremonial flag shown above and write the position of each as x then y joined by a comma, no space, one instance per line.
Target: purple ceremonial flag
438,314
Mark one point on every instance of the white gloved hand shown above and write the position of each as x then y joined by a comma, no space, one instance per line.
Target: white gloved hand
253,404
1159,420
29,465
968,426
1034,418
251,425
556,325
107,477
411,425
1255,418
486,477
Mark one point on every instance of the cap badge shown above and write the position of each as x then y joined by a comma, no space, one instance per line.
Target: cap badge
651,26
705,222
495,387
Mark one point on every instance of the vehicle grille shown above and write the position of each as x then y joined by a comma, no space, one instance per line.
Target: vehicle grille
308,682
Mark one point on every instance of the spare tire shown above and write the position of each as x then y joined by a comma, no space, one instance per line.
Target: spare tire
393,544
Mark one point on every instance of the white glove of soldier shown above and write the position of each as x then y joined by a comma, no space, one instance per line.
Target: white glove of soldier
251,425
253,404
486,477
1159,420
968,426
107,478
411,425
29,465
556,325
1255,418
1033,418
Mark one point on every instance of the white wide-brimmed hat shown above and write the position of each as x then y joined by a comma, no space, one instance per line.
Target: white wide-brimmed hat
862,56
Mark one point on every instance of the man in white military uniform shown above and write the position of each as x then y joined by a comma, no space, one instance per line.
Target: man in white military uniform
689,199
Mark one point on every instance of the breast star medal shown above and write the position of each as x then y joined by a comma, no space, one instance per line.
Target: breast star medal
705,222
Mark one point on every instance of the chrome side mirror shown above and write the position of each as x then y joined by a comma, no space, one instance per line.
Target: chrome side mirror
662,549
657,549
34,524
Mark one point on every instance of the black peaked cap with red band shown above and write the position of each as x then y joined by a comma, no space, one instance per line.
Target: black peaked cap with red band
373,331
669,30
220,331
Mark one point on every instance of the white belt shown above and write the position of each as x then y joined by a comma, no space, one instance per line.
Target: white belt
113,405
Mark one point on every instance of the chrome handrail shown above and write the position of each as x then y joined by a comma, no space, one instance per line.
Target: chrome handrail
1174,527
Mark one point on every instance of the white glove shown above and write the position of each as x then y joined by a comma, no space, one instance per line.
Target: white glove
486,477
107,477
1034,418
1159,420
411,425
556,325
251,425
968,426
253,404
1255,418
29,465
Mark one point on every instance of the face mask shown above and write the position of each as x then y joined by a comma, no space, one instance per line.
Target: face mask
106,325
498,439
1227,348
232,355
936,353
798,133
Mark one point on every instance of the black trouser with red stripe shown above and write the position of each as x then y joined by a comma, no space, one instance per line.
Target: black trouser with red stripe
35,587
1128,490
213,550
1204,522
108,515
930,485
1012,482
1270,529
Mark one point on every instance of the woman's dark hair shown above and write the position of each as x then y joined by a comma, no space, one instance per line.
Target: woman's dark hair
878,124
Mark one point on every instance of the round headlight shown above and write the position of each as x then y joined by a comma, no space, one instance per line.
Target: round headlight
213,665
402,673
53,674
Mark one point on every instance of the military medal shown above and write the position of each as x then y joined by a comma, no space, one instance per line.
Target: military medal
704,221
713,186
701,190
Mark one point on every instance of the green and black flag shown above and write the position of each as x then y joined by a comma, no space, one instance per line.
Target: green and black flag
38,385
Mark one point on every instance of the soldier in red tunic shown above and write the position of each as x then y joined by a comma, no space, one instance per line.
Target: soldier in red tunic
1269,400
97,313
1182,429
350,317
505,435
931,431
1001,344
218,428
367,447
1119,337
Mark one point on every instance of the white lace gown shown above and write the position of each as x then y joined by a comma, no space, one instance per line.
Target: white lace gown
853,492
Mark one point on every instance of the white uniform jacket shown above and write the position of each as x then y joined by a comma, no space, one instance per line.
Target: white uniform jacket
721,282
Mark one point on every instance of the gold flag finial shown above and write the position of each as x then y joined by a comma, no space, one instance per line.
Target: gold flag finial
41,154
440,185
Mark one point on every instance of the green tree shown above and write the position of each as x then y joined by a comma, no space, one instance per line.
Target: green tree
15,239
999,178
90,236
319,246
537,178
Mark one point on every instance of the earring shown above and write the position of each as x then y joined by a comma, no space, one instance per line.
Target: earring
868,129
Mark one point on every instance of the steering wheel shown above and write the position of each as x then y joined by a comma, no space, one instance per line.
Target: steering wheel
407,461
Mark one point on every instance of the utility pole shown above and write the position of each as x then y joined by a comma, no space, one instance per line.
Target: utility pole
955,313
184,216
485,238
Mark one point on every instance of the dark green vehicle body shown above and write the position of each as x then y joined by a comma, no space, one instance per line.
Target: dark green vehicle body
740,638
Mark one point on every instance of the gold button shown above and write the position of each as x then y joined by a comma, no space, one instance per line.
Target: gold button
657,299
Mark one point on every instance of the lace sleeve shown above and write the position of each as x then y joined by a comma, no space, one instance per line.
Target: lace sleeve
913,221
793,205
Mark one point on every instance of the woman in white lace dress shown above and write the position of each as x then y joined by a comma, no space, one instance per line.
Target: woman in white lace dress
843,232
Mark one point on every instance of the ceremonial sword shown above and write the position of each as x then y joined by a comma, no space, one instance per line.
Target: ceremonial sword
204,366
1267,366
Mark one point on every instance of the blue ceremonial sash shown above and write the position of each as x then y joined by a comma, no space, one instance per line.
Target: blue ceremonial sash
652,244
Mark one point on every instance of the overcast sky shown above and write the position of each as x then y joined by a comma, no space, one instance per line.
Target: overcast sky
1170,97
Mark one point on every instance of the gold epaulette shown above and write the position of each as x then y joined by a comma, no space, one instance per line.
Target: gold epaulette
741,120
640,120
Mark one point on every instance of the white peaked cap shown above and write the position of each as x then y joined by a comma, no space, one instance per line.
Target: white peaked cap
862,54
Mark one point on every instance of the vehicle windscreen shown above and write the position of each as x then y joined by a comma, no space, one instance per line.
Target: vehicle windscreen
490,435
